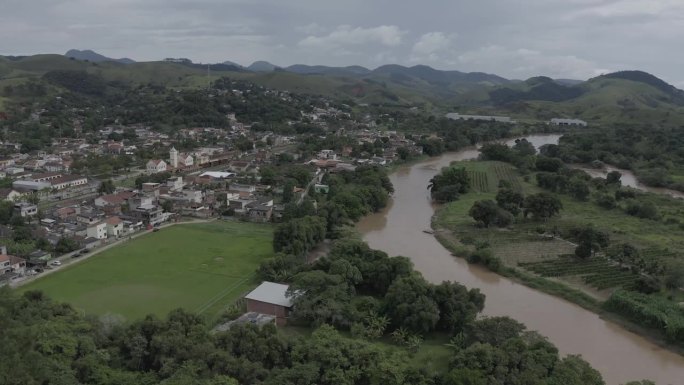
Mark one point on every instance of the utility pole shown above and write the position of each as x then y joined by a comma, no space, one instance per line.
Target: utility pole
208,77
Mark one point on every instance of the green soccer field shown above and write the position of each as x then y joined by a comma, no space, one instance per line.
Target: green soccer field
199,267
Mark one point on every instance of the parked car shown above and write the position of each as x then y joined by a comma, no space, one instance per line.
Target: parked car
56,263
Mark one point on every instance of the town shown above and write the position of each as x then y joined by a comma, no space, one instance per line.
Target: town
58,211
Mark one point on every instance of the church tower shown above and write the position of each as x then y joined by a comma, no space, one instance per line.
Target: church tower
173,157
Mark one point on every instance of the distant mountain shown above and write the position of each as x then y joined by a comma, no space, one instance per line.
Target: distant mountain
653,81
539,88
568,82
232,63
437,77
94,56
325,70
262,66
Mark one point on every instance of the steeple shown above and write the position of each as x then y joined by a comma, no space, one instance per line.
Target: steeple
173,157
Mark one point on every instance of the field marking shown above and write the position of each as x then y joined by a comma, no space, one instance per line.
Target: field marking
214,273
222,294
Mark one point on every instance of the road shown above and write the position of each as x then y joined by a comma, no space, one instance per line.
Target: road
67,259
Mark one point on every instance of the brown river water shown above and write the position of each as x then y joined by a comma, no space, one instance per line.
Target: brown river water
618,354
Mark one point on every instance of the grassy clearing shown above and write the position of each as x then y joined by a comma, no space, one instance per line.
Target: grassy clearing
199,267
433,354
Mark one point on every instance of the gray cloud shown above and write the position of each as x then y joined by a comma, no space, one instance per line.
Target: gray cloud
512,38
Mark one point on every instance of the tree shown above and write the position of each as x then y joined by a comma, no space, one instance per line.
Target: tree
487,213
451,176
542,205
288,191
244,144
579,189
457,305
496,151
403,153
106,187
66,245
167,206
613,177
606,201
583,250
409,305
510,200
544,163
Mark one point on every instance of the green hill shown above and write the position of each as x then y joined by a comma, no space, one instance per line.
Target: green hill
628,96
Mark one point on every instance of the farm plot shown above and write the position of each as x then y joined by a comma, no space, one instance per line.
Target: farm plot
597,272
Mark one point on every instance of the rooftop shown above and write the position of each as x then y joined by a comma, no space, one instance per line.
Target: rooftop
270,292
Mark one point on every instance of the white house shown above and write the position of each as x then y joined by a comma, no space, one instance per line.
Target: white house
175,183
185,160
115,227
97,230
194,196
25,209
156,165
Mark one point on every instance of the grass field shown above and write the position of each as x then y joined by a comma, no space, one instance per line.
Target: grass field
521,246
199,267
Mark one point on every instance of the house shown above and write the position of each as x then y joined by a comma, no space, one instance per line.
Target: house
91,243
194,196
25,209
115,227
39,258
46,177
116,199
185,160
500,119
321,188
8,194
568,122
10,266
239,166
242,187
271,299
89,217
68,181
156,165
175,183
260,213
97,230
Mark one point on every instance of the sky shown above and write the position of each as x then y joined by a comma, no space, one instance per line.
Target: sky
517,39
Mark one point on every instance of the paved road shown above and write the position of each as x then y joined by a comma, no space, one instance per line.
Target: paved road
68,261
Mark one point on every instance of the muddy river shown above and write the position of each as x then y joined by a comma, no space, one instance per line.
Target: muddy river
618,354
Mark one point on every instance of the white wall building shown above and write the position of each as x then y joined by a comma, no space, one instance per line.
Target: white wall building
97,230
156,165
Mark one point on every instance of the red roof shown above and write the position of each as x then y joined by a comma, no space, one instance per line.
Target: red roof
4,257
114,221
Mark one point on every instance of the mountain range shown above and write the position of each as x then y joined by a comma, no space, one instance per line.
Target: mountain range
627,96
94,57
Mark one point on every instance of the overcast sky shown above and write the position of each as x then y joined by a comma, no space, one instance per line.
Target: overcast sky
512,38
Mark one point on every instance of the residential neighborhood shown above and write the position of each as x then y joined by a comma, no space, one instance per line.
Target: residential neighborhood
76,195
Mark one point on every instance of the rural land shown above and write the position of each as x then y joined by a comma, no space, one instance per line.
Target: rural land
180,223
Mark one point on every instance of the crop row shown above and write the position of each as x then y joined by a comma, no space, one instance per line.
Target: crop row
479,180
597,272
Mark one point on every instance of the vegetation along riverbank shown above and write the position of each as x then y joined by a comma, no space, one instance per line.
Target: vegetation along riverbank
590,241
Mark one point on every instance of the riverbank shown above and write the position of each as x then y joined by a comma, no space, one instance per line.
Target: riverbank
618,353
527,247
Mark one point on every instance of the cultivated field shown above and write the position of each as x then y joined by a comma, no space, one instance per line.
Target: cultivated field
199,267
523,246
